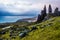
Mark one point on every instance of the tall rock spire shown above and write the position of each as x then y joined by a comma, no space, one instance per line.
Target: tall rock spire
43,15
45,10
56,12
50,9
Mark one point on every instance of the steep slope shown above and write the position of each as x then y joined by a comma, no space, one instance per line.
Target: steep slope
48,30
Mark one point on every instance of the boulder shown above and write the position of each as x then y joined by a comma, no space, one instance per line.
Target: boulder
34,28
23,34
2,32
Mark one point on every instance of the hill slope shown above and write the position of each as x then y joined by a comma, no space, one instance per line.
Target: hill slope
48,30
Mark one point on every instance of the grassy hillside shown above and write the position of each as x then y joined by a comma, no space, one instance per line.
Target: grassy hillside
48,30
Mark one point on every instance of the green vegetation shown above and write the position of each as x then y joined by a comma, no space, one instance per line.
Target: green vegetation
47,30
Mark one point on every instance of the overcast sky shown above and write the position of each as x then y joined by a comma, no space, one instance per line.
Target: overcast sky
24,7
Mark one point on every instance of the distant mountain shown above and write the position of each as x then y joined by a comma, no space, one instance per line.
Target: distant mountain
27,20
19,22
